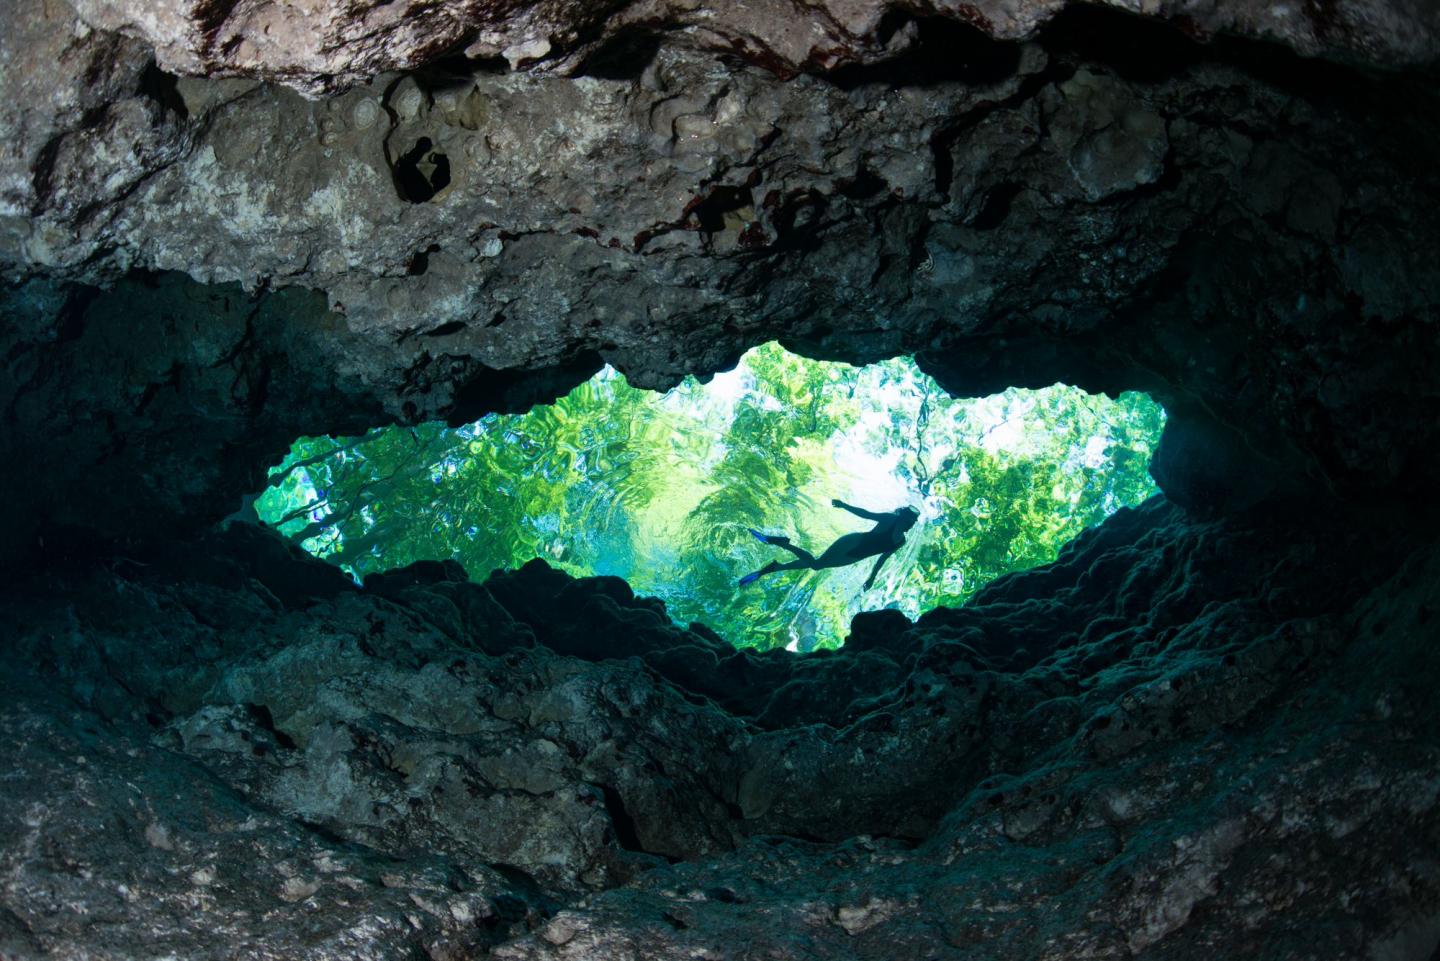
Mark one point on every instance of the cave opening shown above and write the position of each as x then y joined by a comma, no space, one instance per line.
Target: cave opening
684,492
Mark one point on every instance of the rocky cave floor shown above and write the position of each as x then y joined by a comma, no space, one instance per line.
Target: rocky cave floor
1182,739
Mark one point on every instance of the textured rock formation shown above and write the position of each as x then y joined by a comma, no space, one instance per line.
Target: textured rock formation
319,45
1203,754
1205,731
1109,205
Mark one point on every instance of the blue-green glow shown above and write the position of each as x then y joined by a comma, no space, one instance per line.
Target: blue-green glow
661,488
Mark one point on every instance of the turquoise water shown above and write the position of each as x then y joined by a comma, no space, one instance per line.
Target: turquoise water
662,489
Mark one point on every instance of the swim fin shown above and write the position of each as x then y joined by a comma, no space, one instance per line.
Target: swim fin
769,538
749,578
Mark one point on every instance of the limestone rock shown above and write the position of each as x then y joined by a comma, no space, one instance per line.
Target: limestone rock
1204,731
1199,752
321,44
444,244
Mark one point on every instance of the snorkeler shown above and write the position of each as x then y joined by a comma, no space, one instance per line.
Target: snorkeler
883,539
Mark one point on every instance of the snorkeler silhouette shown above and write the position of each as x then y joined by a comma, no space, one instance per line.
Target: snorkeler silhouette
883,539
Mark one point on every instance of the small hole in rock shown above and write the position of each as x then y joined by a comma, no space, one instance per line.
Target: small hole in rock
711,213
163,88
260,714
997,206
623,57
422,172
446,329
890,24
420,261
862,186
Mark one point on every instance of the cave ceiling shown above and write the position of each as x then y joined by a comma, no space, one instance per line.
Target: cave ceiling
1207,730
320,46
1015,195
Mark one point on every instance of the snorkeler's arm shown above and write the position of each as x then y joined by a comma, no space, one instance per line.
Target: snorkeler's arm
869,581
857,511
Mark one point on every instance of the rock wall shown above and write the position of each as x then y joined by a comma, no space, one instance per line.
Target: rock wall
1204,731
1244,233
318,46
1164,745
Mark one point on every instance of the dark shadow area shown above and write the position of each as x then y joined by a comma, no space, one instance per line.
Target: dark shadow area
454,70
1138,48
710,213
1160,655
624,56
626,833
997,206
261,715
864,185
516,391
422,172
943,51
1148,50
420,261
163,88
445,329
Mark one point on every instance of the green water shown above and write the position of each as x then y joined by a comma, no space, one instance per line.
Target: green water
661,488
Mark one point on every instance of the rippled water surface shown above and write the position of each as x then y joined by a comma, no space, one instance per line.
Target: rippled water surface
663,489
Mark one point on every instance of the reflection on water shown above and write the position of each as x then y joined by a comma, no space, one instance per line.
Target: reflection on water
661,488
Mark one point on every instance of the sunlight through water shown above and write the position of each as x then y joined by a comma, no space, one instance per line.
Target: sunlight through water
664,489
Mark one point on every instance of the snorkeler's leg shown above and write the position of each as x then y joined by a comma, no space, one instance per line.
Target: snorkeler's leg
782,541
806,558
771,568
849,549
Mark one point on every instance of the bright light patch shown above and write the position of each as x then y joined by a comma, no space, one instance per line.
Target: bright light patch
664,489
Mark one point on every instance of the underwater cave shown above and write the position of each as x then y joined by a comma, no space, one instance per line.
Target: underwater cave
399,409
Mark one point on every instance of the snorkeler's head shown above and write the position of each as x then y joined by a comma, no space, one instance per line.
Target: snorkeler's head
907,516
